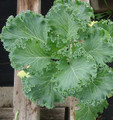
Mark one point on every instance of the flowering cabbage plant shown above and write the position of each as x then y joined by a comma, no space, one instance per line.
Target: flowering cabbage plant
62,54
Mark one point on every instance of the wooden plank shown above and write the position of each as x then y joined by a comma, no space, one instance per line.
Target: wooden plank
45,114
26,109
6,97
6,113
6,119
95,5
100,6
52,114
70,103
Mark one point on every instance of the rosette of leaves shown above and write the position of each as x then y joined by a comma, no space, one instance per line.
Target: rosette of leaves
62,54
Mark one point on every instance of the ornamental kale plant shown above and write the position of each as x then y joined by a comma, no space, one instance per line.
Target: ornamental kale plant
63,54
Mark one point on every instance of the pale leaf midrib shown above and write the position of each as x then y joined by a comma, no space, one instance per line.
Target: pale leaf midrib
74,72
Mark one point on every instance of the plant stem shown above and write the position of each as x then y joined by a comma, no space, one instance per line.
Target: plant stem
16,116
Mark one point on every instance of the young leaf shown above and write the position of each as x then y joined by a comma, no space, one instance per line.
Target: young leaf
82,11
76,73
61,22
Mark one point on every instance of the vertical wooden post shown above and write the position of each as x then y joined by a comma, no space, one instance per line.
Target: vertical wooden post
72,104
26,109
23,5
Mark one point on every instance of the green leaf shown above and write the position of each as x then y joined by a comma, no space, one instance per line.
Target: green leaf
61,22
82,11
107,25
24,26
42,88
75,73
98,89
97,46
33,55
89,112
62,1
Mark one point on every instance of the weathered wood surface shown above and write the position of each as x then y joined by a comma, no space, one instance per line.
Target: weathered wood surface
70,103
95,5
100,6
45,114
59,111
6,113
26,109
34,5
52,114
6,97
